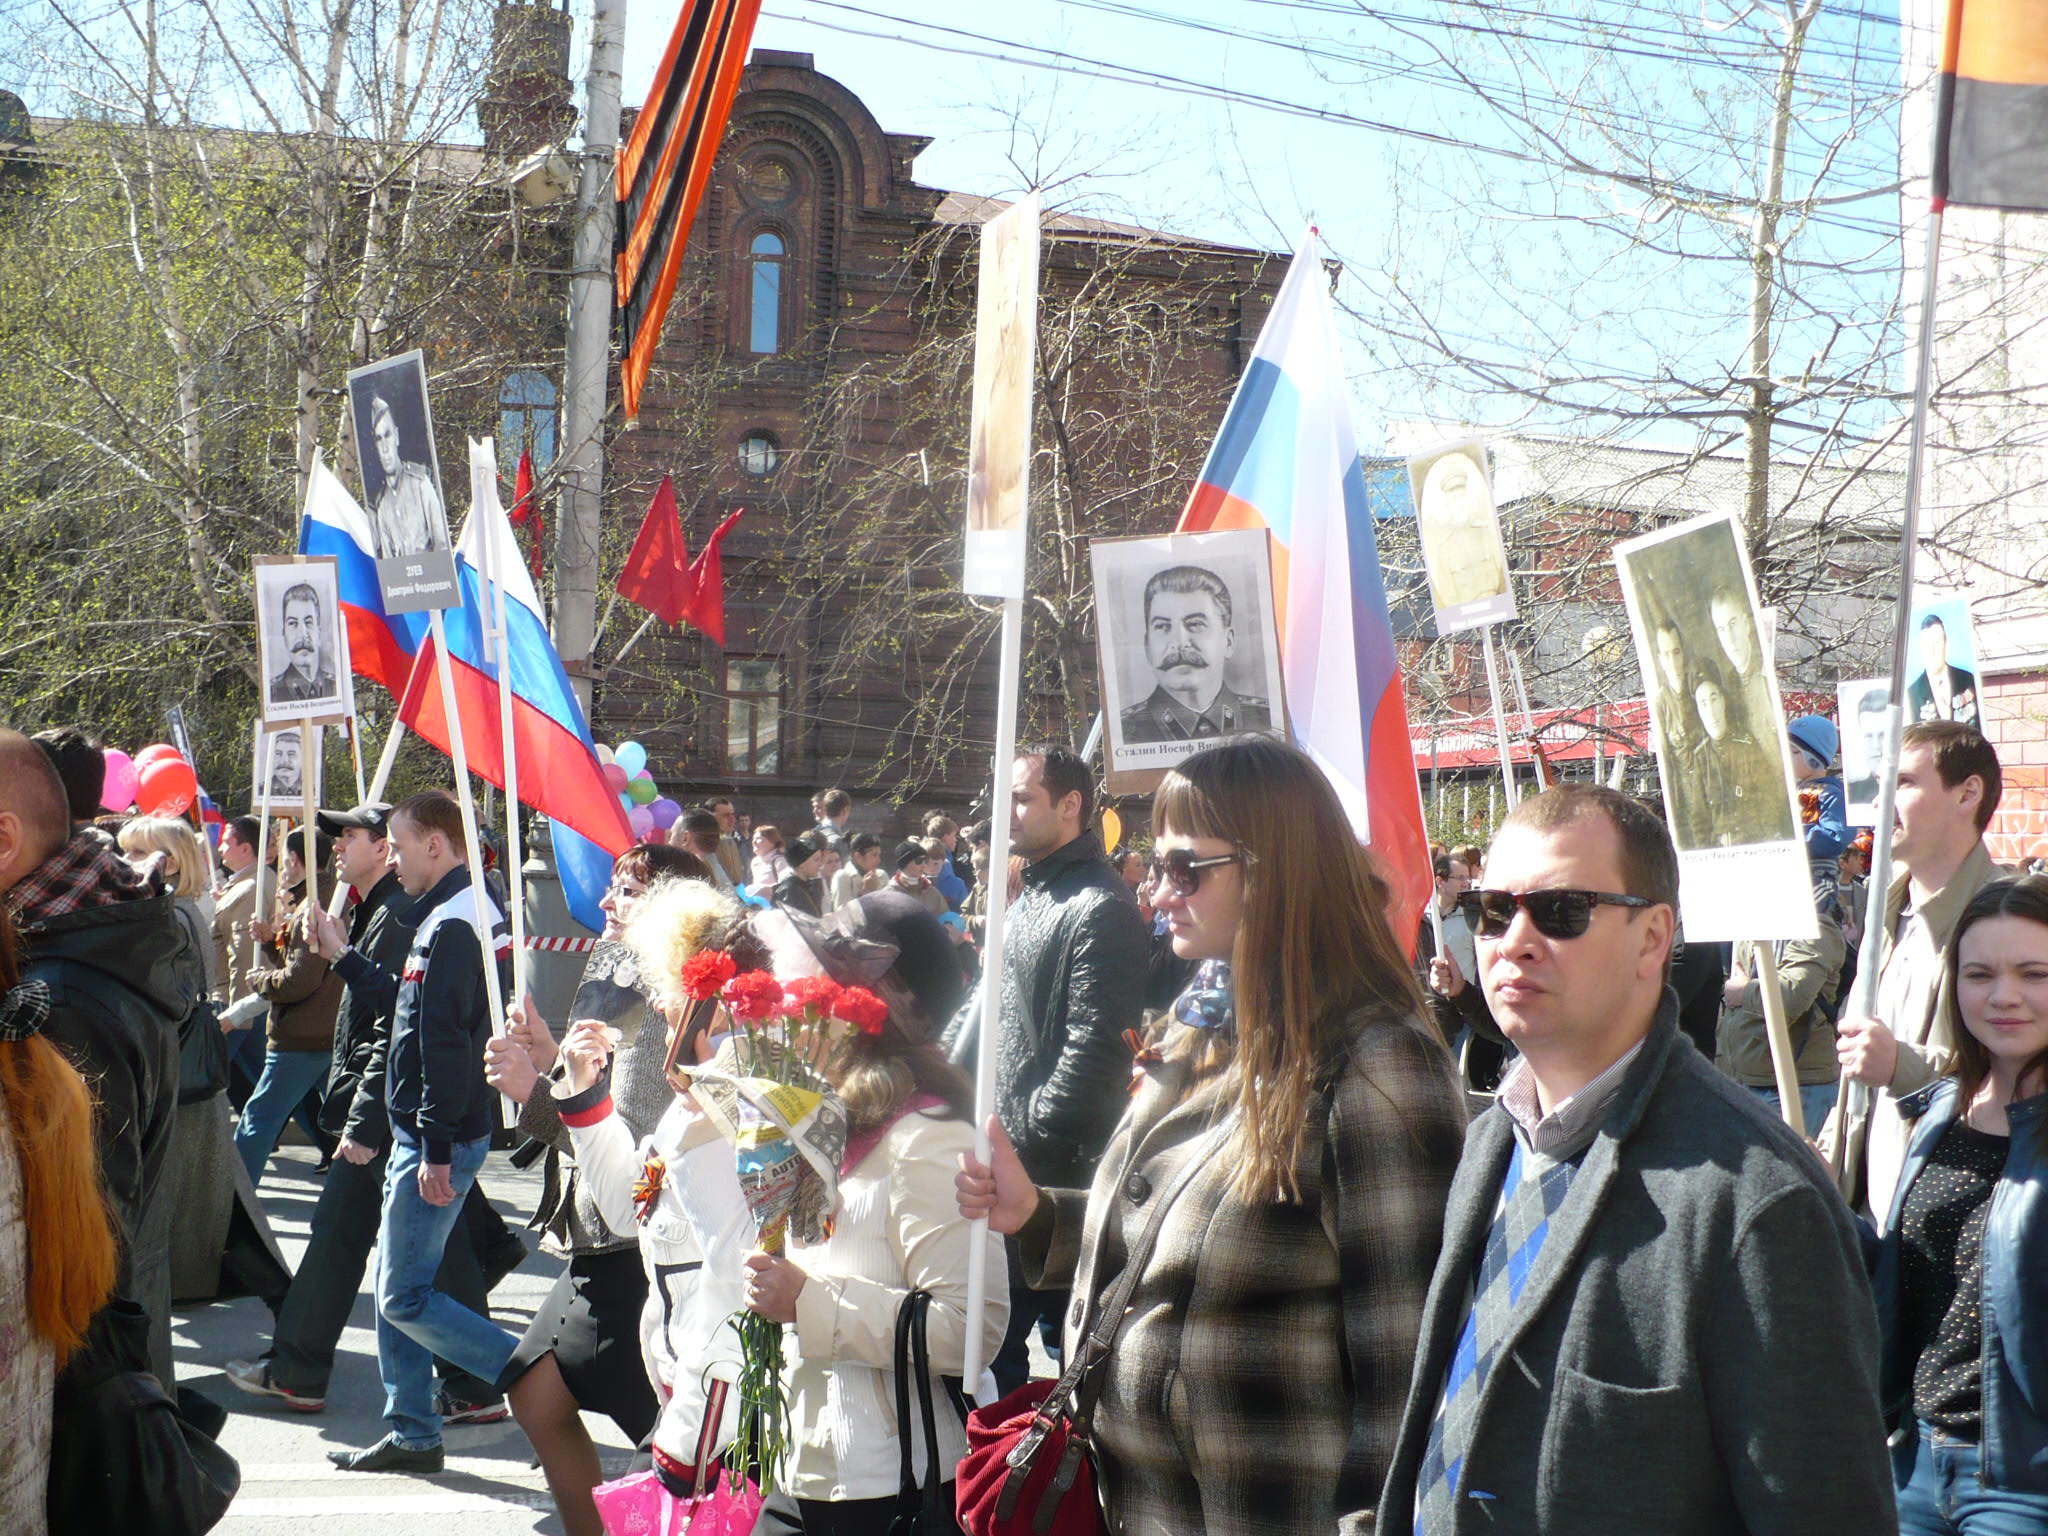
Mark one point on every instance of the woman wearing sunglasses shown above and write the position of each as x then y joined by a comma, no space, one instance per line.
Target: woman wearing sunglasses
1258,1381
1960,1289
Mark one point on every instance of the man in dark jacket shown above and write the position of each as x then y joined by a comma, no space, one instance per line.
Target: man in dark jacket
373,947
1650,1311
1074,967
122,977
440,1111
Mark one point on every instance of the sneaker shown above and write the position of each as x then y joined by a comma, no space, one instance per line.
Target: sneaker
460,1410
253,1377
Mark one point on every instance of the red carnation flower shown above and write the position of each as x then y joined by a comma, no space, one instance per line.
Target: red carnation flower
862,1009
752,996
809,995
705,972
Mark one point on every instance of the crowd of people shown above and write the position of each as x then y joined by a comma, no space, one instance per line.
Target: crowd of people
1332,1222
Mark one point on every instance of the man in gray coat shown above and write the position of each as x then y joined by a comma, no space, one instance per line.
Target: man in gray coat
1650,1312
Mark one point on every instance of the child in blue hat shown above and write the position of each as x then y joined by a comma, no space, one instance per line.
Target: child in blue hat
1824,807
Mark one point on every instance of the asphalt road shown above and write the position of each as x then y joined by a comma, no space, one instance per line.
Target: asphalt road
491,1487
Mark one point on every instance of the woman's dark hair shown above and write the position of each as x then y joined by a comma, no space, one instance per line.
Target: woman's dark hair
1313,948
2027,898
649,862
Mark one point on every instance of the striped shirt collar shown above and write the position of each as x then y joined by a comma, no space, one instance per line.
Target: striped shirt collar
1570,1126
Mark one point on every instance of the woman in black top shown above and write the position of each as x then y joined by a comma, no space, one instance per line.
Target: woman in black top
1962,1280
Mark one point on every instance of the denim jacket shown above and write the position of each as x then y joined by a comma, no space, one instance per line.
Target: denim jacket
2014,1452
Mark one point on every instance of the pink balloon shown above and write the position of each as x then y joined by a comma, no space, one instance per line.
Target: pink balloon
167,787
615,776
122,779
641,820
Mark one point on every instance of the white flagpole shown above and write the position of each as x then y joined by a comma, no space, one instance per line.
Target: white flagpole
1852,1099
995,933
486,506
385,763
633,639
467,796
265,750
1500,720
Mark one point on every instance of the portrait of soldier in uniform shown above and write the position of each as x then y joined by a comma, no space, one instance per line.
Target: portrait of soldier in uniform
1190,637
409,514
394,441
1734,794
1455,518
1943,690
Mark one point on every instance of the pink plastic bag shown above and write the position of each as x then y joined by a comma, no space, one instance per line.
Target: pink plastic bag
640,1506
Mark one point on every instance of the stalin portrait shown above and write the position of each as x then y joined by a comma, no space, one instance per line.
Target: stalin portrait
1189,640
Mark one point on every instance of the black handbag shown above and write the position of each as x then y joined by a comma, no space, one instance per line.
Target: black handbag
121,1457
921,1509
202,1046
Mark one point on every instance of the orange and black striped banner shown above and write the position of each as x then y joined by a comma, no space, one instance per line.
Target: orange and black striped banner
1991,114
664,167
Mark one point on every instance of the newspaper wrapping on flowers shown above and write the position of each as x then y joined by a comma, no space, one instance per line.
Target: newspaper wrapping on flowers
788,1132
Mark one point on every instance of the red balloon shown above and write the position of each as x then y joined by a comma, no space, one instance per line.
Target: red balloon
615,776
167,787
154,753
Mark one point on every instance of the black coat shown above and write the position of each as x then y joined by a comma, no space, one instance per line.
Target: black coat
122,979
1074,967
380,930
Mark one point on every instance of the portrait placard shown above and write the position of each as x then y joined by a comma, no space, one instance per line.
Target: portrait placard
1719,732
301,638
287,759
999,438
401,472
1189,646
1941,661
1859,712
1469,585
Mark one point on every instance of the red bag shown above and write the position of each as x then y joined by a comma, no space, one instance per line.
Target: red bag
1027,1470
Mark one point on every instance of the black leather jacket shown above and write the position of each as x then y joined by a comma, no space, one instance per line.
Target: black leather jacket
1074,967
380,930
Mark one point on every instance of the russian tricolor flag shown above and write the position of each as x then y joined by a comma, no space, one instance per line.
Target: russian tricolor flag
1286,461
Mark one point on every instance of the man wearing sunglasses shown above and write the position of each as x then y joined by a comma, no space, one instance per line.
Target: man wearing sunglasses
1649,1313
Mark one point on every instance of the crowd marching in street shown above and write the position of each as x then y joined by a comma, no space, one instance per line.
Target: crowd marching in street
1507,1236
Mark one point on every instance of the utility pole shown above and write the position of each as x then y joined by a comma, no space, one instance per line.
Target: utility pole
589,360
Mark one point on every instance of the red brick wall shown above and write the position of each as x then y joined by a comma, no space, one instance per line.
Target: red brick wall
2015,713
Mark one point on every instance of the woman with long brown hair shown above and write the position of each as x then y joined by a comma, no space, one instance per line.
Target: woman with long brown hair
1257,1382
1959,1276
56,1242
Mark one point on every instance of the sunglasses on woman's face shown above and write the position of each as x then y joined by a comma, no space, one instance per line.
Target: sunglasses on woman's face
1179,869
1556,914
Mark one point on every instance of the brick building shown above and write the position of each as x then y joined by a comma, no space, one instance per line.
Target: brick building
815,371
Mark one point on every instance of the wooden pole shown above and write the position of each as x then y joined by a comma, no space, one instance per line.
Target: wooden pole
1777,1029
264,748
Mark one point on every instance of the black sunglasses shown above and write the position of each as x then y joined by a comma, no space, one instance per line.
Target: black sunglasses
1556,914
1179,867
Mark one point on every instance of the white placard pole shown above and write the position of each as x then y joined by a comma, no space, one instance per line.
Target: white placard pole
484,475
1010,665
266,749
1500,721
1529,720
486,929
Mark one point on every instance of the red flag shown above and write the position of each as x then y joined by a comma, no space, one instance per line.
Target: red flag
526,510
706,608
657,574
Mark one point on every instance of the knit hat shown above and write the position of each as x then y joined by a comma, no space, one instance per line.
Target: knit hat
909,851
1817,735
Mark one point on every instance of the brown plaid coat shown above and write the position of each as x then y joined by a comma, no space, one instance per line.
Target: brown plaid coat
1257,1385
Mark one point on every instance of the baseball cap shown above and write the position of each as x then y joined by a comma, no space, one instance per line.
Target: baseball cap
373,817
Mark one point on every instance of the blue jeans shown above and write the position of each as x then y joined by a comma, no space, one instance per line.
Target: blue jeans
415,1322
1942,1496
1816,1103
288,1076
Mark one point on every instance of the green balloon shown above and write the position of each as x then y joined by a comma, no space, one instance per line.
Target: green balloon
642,790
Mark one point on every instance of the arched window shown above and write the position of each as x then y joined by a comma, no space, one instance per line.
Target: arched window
527,414
764,314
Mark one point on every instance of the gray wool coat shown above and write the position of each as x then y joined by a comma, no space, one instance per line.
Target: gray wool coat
1695,1352
1258,1378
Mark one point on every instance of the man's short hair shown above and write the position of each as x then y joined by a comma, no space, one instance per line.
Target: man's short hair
833,801
865,842
1960,751
32,788
1934,621
248,829
1649,863
1189,578
323,848
939,824
701,826
1064,773
1442,865
81,768
434,810
299,592
716,801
